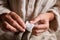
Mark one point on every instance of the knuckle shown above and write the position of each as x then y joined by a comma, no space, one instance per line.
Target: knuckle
13,13
6,25
17,17
6,16
47,26
13,22
36,32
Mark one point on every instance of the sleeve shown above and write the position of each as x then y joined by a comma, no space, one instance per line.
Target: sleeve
55,24
3,9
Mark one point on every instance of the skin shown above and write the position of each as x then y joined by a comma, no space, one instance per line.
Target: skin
14,23
43,25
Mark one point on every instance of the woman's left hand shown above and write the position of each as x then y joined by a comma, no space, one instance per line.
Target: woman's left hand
43,23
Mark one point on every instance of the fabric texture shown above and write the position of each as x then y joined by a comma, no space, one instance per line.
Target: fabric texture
28,9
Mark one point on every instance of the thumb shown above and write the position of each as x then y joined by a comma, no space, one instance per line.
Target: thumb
35,20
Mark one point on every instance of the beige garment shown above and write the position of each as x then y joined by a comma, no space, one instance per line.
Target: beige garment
28,9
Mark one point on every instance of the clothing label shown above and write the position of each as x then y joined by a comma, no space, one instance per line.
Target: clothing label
29,26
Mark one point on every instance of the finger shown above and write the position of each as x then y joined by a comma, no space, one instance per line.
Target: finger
13,23
37,32
47,24
3,27
35,20
18,19
9,27
41,26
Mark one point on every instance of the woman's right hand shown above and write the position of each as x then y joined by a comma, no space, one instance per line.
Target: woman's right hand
12,22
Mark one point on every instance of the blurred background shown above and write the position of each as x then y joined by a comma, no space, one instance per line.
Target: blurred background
58,32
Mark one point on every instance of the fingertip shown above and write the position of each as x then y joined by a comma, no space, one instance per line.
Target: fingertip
32,22
24,26
23,30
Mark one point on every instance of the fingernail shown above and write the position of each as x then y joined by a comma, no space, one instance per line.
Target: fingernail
31,21
23,30
25,27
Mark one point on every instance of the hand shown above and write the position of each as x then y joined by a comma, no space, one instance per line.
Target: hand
12,22
43,23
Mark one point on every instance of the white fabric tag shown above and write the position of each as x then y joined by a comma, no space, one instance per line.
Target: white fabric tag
29,26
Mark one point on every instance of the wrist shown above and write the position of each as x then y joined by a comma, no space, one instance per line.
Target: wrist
50,16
